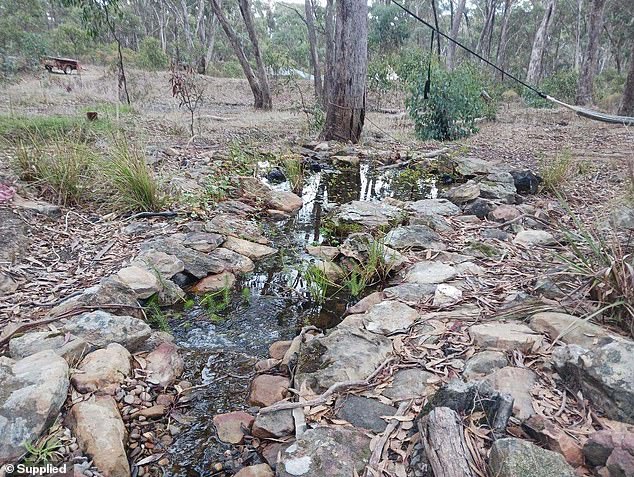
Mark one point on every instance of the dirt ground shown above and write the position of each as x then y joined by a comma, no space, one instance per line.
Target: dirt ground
75,250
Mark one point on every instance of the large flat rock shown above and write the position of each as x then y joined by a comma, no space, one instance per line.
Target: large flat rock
414,237
512,457
426,207
367,214
568,328
426,272
505,336
32,392
389,317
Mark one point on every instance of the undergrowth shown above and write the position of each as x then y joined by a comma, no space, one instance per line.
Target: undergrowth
556,172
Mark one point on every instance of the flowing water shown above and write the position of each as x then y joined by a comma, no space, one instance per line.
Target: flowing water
269,304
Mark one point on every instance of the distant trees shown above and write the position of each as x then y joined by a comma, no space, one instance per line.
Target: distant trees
534,73
590,60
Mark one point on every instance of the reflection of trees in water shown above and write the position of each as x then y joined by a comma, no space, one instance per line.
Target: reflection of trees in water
345,186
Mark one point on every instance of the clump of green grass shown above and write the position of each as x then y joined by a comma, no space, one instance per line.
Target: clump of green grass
45,450
156,316
16,128
293,167
133,185
317,283
215,303
556,172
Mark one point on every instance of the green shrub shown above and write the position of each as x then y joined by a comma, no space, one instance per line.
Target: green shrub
150,56
454,103
561,85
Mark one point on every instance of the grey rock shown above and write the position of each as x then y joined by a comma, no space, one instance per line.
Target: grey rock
479,207
513,457
368,214
463,193
232,225
326,452
410,383
411,294
360,245
232,261
517,382
203,241
622,217
473,166
160,262
389,317
414,237
569,329
499,186
495,234
435,222
142,282
426,272
531,238
32,392
483,363
604,374
252,250
196,263
274,424
505,336
71,348
100,329
430,207
363,412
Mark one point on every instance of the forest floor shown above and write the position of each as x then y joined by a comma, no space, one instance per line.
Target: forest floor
52,253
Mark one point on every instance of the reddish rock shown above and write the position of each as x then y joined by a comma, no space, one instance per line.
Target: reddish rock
165,399
504,213
230,426
214,283
278,349
260,470
151,412
555,439
366,303
268,389
164,364
271,451
611,448
621,463
103,370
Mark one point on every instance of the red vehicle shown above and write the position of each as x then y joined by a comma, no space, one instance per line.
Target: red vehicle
67,65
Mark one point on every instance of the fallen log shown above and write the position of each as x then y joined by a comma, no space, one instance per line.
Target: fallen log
444,443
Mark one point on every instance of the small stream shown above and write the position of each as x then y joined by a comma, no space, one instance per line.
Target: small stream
268,304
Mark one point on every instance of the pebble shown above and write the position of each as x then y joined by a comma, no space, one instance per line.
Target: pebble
129,399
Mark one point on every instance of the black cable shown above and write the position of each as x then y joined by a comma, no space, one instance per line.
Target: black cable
428,25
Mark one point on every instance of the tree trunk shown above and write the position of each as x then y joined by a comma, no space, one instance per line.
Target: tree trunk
627,103
330,49
578,36
346,105
486,32
455,28
504,34
258,97
591,56
534,73
247,16
122,81
312,41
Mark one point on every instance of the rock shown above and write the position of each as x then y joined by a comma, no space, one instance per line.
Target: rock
621,463
367,214
164,365
254,251
203,241
323,252
361,246
472,166
426,272
196,263
160,262
513,457
100,433
232,261
601,445
412,294
236,207
483,363
275,176
622,217
504,213
495,234
435,222
505,336
7,284
285,201
214,283
265,365
274,424
37,206
498,186
267,389
410,383
103,370
259,470
554,438
463,193
109,290
414,237
430,207
331,270
446,294
363,412
142,282
366,303
231,426
32,392
604,374
152,412
170,294
234,226
479,207
530,238
517,382
278,349
71,348
569,329
526,182
100,329
389,317
346,353
326,452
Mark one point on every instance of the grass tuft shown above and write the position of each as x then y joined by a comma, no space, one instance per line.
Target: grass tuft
293,167
556,172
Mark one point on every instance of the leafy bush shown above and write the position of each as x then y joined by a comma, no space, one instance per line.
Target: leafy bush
454,103
150,56
561,85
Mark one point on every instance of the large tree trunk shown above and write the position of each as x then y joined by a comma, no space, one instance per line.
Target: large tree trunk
455,28
346,105
591,56
247,16
312,41
330,49
627,103
484,41
258,96
534,73
504,34
578,36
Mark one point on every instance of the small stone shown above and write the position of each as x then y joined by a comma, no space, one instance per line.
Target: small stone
260,470
274,424
165,399
129,399
151,412
142,282
426,272
410,383
389,317
479,207
530,238
483,363
446,295
504,213
364,412
278,349
230,426
164,365
463,193
268,389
